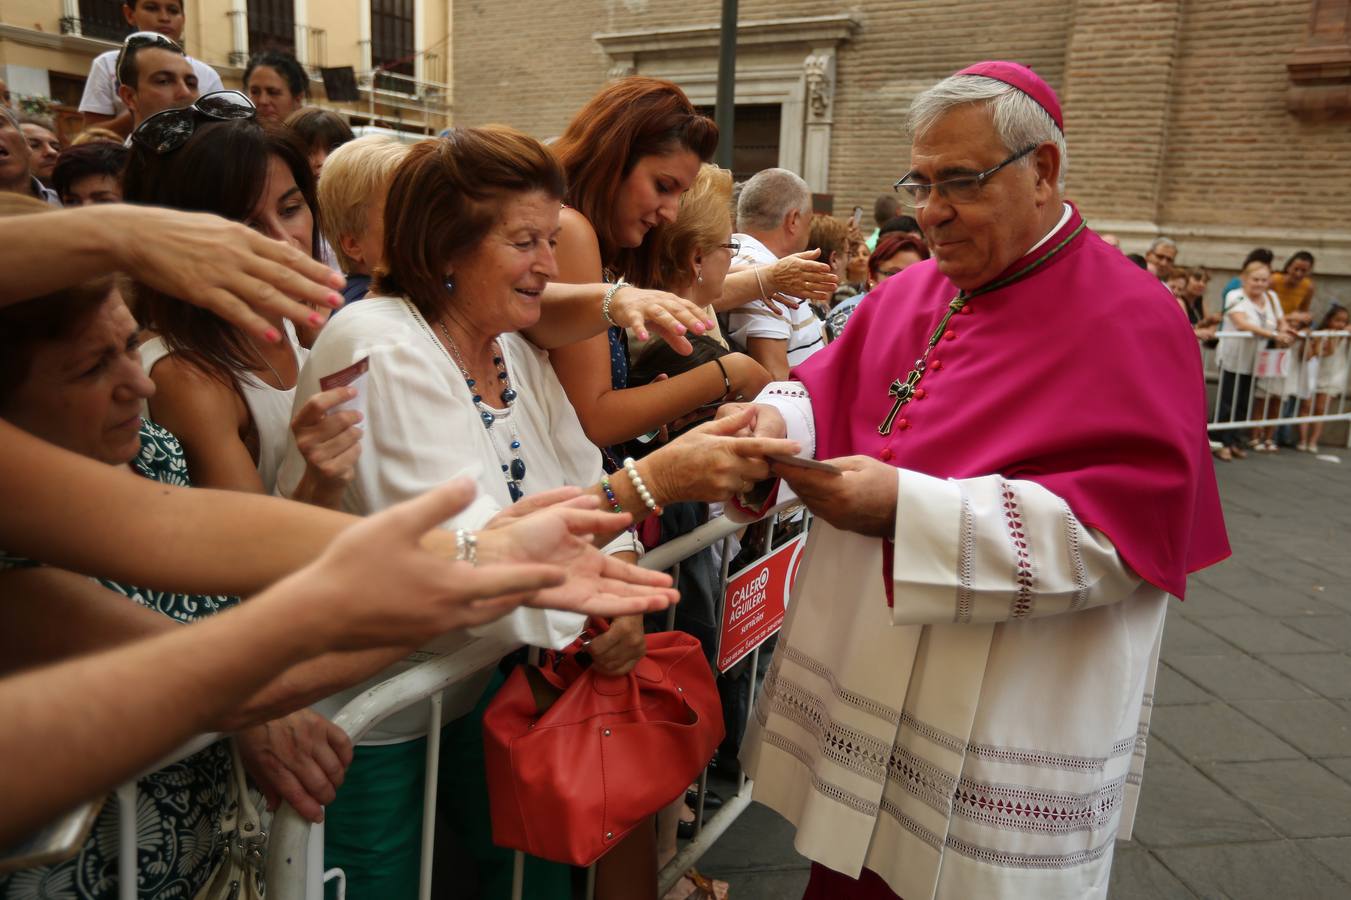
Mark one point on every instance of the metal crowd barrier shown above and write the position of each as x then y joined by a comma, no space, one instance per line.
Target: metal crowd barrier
295,851
1295,390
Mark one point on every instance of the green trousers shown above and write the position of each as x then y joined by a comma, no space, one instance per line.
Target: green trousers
373,830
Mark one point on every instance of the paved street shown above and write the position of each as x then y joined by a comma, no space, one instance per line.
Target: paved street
1247,790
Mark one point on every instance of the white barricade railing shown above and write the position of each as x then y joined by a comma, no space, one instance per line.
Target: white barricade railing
295,858
1244,399
295,868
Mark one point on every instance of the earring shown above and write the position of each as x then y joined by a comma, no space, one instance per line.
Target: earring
450,284
699,277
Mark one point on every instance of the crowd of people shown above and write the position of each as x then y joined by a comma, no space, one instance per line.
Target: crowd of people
269,372
506,291
1296,362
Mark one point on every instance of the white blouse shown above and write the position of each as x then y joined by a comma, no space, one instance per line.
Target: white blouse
422,429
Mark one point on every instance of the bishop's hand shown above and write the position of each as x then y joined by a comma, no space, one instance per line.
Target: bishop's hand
861,499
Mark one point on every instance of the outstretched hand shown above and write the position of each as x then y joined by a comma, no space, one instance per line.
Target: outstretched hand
377,585
225,267
716,461
801,277
862,498
639,309
561,534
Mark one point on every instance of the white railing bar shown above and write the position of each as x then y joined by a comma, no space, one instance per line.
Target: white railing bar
127,870
732,808
1286,420
685,546
288,850
429,796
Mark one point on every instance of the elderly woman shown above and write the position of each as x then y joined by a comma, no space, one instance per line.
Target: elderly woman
1253,308
70,374
450,388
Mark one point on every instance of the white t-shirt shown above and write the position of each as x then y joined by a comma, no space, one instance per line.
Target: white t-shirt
100,89
422,429
1239,354
800,327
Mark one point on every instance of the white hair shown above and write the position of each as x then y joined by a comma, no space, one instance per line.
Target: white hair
1018,119
768,196
1161,241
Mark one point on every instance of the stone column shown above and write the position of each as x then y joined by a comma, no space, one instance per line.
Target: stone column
818,71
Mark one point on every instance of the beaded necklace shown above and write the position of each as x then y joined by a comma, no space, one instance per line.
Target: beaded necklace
903,391
514,470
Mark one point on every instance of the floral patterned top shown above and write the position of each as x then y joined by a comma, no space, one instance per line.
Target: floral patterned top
179,807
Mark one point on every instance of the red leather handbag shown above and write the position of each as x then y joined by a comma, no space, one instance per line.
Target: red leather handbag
567,783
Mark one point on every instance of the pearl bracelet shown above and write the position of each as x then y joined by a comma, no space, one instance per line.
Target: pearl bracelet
609,299
631,468
466,546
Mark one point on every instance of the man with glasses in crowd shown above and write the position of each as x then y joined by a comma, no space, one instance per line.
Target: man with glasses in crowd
959,700
1161,257
103,103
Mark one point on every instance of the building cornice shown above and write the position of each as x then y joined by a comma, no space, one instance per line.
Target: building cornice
76,43
814,30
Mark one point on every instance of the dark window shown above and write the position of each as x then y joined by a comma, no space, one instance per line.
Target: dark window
755,137
272,25
392,47
101,19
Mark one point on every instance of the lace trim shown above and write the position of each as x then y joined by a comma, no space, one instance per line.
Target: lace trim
1029,860
1076,559
846,747
1041,759
891,808
1046,812
966,550
934,735
922,779
843,694
832,791
1023,600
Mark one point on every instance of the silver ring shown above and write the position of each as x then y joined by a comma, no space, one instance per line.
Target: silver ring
586,643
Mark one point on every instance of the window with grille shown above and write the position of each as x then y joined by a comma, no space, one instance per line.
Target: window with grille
101,19
392,47
755,137
272,25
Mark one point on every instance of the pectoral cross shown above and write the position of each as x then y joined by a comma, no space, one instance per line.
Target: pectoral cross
902,391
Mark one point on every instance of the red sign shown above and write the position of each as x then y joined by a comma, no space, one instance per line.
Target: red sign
755,603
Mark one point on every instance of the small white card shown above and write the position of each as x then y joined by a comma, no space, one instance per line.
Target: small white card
354,376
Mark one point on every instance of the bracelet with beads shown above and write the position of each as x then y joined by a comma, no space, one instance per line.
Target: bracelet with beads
631,467
609,299
610,494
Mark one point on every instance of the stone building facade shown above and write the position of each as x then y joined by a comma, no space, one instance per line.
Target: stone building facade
1225,124
46,47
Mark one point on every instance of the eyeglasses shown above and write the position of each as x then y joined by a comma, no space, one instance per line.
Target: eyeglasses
139,40
734,246
962,189
169,129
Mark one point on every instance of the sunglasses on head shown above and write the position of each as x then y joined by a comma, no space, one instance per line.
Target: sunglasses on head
169,129
139,40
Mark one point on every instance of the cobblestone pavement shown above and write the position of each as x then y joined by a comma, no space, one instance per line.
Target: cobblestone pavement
1247,790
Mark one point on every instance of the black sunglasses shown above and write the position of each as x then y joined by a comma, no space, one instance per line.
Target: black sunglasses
169,129
139,40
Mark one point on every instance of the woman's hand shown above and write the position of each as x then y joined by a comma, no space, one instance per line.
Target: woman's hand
800,277
330,441
596,584
711,464
617,650
227,268
301,758
637,309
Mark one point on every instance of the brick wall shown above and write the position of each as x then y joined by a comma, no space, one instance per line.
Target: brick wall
1175,111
